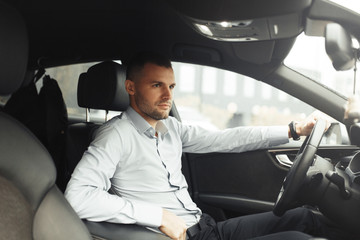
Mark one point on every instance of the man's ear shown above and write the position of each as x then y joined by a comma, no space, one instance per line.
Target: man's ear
130,87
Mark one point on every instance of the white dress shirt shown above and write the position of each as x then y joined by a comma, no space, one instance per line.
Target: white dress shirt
144,171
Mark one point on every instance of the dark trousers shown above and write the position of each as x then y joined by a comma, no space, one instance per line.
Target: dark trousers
294,224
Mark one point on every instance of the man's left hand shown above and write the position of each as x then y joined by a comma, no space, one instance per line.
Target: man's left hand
305,127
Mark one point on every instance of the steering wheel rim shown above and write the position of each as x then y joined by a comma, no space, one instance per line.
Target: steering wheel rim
296,175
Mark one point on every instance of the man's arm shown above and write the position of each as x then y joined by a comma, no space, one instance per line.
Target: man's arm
88,188
241,139
196,139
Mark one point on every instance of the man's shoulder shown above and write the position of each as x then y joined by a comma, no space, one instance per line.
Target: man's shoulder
116,123
171,121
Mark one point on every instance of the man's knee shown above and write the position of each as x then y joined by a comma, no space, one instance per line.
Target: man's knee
304,220
300,213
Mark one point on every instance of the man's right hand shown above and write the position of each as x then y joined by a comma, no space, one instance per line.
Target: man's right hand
173,226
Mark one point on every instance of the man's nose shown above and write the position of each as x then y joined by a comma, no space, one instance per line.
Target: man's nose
167,93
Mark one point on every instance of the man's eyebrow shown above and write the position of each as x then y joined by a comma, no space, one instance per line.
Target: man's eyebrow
155,82
158,81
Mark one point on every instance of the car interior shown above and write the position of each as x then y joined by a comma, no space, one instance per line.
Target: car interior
41,143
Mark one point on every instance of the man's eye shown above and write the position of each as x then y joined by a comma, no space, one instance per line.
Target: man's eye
156,85
172,86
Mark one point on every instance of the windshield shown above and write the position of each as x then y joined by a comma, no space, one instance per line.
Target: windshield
308,56
350,4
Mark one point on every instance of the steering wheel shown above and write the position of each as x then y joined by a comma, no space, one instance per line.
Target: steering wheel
287,198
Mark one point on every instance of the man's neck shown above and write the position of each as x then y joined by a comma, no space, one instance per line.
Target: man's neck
147,118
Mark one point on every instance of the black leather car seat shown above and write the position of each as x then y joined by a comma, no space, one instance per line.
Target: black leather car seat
31,206
102,87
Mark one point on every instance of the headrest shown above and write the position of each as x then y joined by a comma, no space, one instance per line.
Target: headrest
13,49
103,87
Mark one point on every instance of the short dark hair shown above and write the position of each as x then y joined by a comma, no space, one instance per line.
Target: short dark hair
138,62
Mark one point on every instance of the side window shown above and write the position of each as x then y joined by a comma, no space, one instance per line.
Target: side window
67,78
219,99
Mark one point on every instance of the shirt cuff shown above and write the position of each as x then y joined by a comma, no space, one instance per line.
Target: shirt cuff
278,135
148,215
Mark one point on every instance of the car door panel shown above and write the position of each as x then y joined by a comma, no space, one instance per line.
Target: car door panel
234,184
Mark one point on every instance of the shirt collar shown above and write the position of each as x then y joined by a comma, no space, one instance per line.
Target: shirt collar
142,126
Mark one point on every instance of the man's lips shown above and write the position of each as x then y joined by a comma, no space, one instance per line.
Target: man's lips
164,105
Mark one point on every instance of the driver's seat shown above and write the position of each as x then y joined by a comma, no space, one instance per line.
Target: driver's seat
31,206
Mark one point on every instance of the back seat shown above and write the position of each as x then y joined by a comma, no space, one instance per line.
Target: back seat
102,87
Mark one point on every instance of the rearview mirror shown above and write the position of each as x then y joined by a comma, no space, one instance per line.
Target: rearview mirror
338,47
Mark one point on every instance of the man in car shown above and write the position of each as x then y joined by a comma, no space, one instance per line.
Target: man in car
137,157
